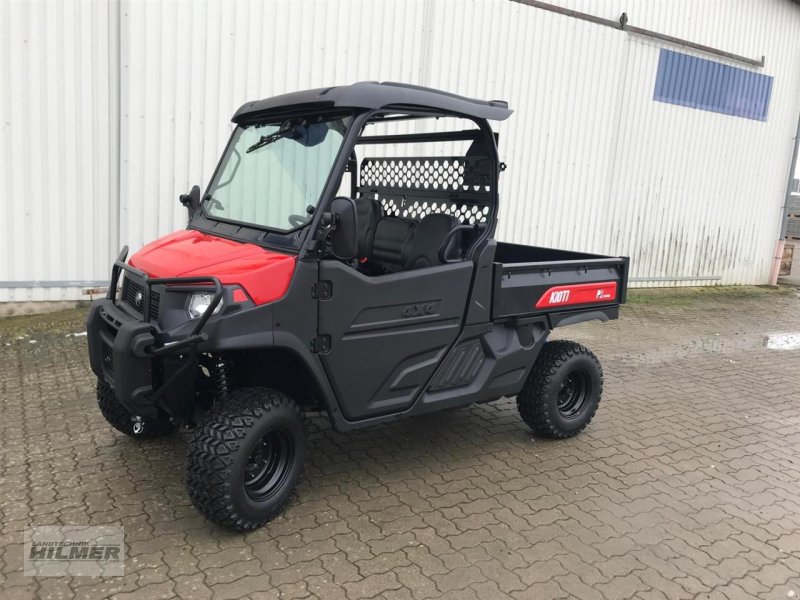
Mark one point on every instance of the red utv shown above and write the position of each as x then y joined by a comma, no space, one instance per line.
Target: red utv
343,260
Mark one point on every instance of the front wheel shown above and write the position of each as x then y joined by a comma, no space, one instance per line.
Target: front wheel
563,390
245,458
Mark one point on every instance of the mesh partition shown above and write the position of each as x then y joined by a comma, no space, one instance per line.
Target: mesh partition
419,186
416,209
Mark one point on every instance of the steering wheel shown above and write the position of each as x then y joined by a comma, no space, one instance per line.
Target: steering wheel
213,203
298,220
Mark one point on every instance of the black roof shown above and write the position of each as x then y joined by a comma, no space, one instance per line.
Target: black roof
373,95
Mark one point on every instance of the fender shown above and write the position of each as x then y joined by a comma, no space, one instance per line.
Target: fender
284,340
573,317
294,325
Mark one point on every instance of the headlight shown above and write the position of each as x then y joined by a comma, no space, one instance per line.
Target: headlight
199,303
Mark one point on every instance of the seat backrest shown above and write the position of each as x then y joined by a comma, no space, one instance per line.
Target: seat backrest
390,246
368,213
429,235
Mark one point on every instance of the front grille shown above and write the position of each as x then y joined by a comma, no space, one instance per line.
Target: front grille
155,301
131,291
133,295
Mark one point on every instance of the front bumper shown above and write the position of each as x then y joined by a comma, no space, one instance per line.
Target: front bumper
151,371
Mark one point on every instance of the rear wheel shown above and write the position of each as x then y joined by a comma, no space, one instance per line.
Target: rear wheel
245,458
121,419
563,390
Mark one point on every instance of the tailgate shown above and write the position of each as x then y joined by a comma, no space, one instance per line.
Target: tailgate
535,288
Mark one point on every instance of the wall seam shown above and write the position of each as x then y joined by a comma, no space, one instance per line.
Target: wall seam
115,118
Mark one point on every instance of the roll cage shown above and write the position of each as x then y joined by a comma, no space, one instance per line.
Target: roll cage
372,102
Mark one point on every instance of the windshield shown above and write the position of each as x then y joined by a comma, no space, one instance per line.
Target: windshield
273,173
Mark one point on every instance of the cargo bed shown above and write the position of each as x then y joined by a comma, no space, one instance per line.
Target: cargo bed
564,285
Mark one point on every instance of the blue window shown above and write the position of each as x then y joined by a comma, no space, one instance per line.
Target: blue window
708,85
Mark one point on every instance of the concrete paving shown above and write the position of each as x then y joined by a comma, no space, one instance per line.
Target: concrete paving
686,484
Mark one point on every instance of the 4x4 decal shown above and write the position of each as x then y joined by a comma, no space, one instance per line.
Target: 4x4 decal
423,309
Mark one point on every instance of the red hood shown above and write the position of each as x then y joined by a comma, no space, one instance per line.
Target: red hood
264,274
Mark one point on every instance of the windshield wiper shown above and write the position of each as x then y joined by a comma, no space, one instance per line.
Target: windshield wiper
287,129
268,139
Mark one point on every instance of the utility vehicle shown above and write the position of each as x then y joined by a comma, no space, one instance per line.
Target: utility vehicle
343,260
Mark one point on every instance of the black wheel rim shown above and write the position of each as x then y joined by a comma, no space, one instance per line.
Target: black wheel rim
268,465
573,394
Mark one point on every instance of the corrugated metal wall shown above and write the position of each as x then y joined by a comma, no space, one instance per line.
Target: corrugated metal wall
594,163
57,147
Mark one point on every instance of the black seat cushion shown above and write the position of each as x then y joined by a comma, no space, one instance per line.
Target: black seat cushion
428,238
368,213
391,243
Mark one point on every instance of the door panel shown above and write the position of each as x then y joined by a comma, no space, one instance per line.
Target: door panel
388,333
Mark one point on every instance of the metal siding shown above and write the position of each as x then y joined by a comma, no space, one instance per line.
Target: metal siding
686,195
695,193
247,55
594,163
56,129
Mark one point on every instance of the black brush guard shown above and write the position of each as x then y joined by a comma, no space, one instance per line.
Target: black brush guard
149,372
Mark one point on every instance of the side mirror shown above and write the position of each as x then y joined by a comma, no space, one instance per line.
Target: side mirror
344,240
191,200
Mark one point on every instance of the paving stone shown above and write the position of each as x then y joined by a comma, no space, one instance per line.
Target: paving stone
683,486
241,587
417,583
192,586
541,572
371,586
